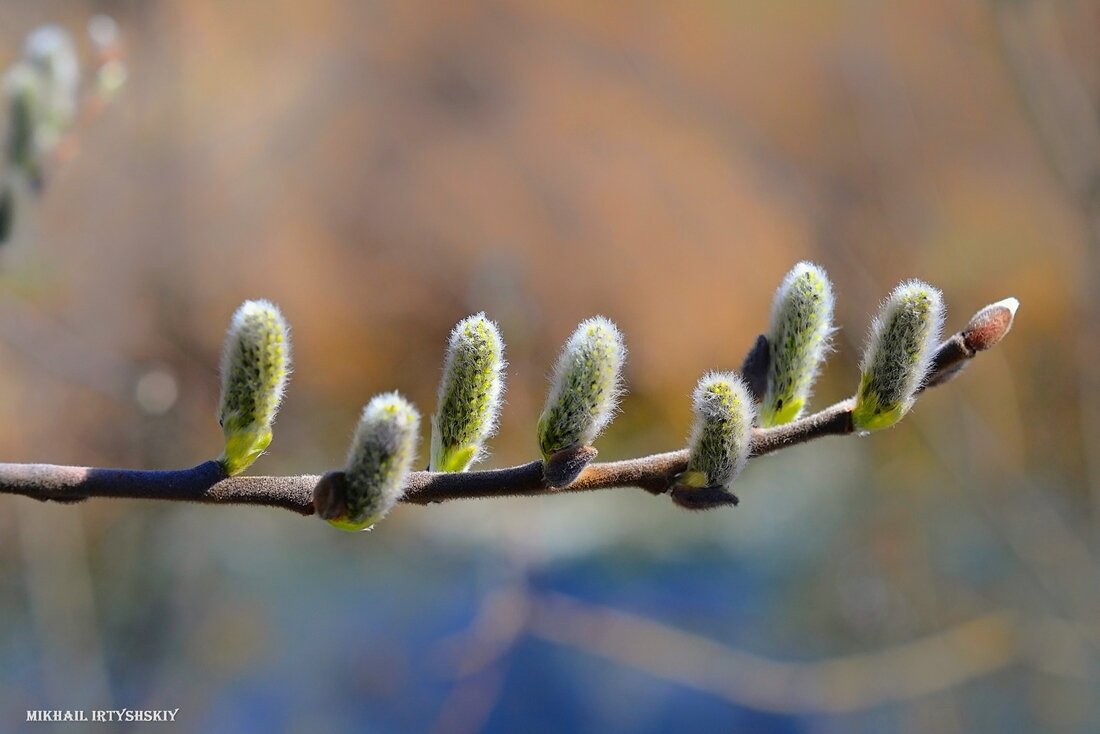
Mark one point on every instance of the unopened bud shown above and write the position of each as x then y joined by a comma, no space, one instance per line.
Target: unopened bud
989,326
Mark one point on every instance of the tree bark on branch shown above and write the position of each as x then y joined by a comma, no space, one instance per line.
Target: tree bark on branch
207,483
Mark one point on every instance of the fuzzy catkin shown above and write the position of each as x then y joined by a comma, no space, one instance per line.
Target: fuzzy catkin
255,368
585,387
379,459
469,394
801,324
903,339
721,434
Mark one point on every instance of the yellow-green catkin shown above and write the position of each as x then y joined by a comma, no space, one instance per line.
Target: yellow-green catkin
469,395
801,324
255,367
903,339
379,460
584,389
721,434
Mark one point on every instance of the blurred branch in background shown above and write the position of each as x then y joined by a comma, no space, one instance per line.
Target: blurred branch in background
1066,122
81,361
912,670
479,656
46,103
61,598
1047,546
43,105
1050,549
893,674
42,93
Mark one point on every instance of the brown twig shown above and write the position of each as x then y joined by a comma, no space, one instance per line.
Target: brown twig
207,483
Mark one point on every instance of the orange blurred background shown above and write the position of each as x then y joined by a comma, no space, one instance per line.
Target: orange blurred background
380,170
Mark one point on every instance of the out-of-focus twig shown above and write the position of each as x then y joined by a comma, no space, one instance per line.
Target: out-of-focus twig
64,353
479,655
46,105
61,600
1066,122
908,671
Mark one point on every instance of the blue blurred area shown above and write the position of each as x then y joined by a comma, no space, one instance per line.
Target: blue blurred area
364,653
317,643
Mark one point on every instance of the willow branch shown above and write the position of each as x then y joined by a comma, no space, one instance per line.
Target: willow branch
207,483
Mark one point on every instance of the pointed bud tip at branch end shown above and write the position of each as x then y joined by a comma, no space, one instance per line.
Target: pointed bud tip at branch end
255,368
585,388
470,394
990,325
379,460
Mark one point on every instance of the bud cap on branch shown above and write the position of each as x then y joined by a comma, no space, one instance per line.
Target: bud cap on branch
469,394
801,324
903,340
255,367
987,327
